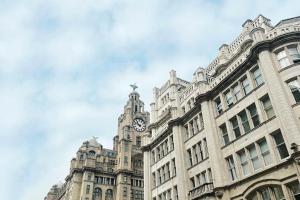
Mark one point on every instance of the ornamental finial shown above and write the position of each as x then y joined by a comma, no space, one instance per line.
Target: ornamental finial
134,86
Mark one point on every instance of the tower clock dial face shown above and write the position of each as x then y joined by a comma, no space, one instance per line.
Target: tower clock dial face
139,125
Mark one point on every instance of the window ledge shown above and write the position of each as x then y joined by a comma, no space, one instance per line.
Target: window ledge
198,163
288,67
162,157
163,182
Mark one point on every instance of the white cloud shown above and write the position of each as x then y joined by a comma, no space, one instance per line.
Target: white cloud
66,66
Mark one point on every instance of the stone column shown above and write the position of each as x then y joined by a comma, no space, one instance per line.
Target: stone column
219,169
181,172
147,175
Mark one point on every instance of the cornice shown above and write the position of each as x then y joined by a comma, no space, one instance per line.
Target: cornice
269,45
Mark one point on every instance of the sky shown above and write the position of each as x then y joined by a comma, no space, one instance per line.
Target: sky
66,67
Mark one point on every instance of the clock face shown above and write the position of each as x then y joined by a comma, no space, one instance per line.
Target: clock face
139,125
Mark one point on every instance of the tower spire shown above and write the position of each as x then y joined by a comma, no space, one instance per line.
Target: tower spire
134,86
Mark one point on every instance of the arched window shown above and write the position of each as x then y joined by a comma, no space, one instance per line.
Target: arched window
92,154
97,194
272,192
109,194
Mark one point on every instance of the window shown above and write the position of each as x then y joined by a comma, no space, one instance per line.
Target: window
267,193
294,53
256,163
237,92
245,122
268,106
295,89
153,157
254,115
175,193
235,127
138,141
246,86
257,77
265,153
190,160
125,160
283,59
173,167
172,142
229,99
124,191
244,162
205,148
89,176
218,105
88,188
224,134
288,55
295,189
195,153
231,168
192,180
97,194
282,150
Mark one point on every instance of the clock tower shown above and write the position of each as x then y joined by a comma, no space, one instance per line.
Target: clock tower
131,125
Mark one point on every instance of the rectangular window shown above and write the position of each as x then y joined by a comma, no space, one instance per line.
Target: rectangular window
294,86
190,160
294,53
254,115
268,106
246,86
218,105
172,142
257,77
244,162
187,133
205,148
195,153
201,121
224,134
283,59
235,127
173,167
175,193
254,157
282,150
244,120
231,168
229,99
192,180
88,188
152,157
265,153
192,128
237,92
295,189
125,191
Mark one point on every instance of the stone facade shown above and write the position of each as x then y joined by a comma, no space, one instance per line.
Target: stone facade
233,132
97,173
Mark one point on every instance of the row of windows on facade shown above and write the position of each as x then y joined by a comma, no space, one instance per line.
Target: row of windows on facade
288,55
194,126
137,194
256,156
201,179
126,143
238,90
189,105
167,195
197,153
275,192
134,182
163,149
97,193
104,180
294,85
246,120
164,173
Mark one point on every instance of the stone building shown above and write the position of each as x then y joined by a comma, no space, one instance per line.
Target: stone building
97,173
233,132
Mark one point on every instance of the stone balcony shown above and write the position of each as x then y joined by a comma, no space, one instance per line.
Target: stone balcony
206,189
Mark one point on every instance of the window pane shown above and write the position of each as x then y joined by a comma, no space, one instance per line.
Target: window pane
246,86
237,92
258,77
265,194
295,89
293,51
278,193
244,119
235,127
244,162
265,152
254,115
268,107
254,157
282,150
229,99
